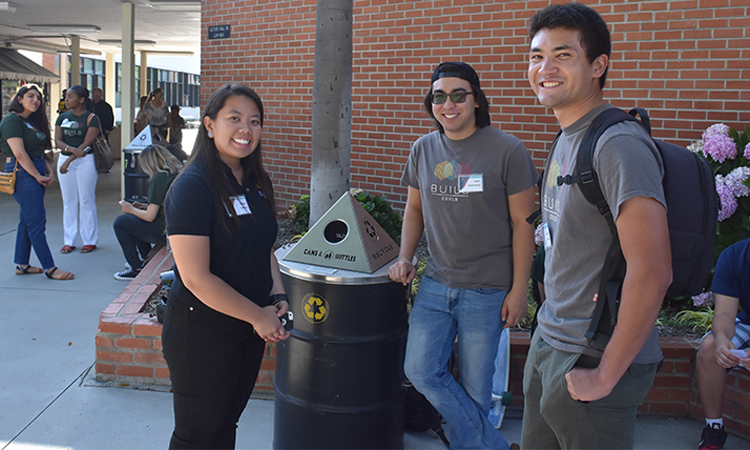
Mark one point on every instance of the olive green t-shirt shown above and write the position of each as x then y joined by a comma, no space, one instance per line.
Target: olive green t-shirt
157,192
15,126
74,128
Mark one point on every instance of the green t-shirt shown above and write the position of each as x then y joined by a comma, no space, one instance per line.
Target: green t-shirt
157,192
74,127
15,126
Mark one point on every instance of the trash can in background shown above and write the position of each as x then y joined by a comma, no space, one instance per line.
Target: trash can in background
136,181
338,381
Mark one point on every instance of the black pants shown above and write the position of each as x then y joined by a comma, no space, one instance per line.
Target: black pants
213,363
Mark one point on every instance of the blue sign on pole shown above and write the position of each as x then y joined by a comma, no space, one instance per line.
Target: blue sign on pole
219,31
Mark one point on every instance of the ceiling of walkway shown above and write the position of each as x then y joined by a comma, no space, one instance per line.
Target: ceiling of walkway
160,25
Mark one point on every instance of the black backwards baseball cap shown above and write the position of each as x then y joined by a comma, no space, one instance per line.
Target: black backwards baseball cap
456,70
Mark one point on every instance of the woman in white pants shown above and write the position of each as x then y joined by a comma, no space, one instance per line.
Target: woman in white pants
75,131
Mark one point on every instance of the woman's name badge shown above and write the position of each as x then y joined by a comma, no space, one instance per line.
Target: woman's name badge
240,205
470,183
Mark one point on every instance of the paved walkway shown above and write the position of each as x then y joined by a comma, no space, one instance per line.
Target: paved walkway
48,399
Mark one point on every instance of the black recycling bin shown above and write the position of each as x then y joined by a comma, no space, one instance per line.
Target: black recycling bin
136,181
338,381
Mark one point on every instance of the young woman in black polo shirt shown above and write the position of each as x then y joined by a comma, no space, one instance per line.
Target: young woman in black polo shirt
227,297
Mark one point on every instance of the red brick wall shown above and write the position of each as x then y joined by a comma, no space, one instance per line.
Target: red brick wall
687,61
48,62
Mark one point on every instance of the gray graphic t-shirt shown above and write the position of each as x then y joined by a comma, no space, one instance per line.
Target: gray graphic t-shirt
464,187
628,165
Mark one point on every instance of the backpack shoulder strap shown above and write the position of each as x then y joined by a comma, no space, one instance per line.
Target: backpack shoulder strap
610,283
585,175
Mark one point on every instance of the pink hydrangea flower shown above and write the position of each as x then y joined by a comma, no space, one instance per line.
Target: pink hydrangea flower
717,129
736,179
704,300
728,202
719,147
747,151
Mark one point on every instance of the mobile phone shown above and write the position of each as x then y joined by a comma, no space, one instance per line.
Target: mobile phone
287,321
88,150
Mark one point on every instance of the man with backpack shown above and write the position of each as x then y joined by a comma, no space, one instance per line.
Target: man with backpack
723,347
580,395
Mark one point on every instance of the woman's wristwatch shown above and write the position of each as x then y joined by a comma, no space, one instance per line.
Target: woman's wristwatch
277,298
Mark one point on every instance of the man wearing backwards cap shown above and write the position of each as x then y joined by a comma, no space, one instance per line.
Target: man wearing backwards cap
467,183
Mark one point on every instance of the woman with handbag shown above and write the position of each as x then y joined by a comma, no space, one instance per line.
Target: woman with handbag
24,137
227,296
143,225
75,132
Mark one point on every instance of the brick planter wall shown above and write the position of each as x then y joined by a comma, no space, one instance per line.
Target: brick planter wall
128,352
128,342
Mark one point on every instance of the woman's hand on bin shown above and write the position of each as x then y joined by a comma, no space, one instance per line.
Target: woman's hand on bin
268,326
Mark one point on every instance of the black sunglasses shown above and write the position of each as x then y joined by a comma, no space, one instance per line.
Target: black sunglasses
456,97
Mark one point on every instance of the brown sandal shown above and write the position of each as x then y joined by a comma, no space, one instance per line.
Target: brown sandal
28,270
88,248
63,274
67,249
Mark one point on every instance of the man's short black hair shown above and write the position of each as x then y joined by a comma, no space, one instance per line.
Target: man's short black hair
595,37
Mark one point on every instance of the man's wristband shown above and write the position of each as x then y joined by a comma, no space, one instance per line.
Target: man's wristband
276,298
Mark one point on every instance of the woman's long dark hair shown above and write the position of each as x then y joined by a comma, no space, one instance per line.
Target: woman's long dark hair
39,117
252,165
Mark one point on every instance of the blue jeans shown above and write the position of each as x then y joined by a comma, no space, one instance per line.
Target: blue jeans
33,218
439,314
136,236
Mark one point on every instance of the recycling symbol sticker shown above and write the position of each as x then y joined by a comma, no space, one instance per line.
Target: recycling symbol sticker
315,308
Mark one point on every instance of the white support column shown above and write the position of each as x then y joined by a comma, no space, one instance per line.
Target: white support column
75,60
55,95
110,79
144,73
128,79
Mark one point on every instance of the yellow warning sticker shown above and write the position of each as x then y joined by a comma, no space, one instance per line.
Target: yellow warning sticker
315,308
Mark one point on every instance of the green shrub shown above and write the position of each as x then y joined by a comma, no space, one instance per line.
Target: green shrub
300,213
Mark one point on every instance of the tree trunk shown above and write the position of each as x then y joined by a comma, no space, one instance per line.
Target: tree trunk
332,106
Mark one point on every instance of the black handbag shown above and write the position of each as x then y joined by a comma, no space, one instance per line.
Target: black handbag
103,159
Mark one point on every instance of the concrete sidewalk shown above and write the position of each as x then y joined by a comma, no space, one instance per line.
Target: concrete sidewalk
48,399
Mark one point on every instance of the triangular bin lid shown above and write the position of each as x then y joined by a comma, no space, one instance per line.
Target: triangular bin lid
346,237
144,139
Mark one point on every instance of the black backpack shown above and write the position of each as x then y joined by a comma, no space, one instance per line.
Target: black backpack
692,213
420,415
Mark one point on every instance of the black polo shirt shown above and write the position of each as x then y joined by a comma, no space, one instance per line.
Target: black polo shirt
240,257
